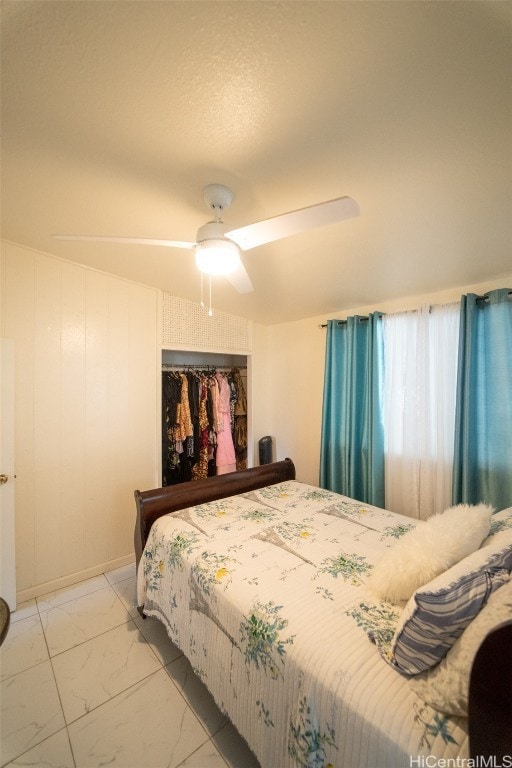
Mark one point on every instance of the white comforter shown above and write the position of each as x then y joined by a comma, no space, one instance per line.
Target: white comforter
265,595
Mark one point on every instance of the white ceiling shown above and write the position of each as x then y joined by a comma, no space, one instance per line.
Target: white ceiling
115,115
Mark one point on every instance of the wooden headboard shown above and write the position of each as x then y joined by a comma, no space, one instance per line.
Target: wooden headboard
160,501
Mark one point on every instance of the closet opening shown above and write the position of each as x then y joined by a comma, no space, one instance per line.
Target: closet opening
204,414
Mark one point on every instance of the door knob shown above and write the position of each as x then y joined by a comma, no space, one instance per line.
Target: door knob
3,479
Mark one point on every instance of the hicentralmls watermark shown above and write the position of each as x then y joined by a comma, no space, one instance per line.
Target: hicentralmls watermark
479,761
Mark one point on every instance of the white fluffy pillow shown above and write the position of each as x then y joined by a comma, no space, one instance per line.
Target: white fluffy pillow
428,550
445,686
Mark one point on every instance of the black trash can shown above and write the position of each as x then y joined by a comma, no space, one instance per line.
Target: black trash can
265,446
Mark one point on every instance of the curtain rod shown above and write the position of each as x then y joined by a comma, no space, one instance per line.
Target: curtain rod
343,322
485,297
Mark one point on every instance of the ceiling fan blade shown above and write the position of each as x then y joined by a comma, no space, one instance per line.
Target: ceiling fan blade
127,240
294,222
240,280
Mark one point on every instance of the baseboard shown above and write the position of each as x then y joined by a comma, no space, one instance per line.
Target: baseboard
66,581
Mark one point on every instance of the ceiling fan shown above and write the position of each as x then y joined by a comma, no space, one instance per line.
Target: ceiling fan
217,250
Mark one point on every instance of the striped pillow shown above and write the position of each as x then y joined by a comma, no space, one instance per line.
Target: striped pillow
500,521
446,686
437,613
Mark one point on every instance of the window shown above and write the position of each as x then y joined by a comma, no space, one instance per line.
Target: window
420,374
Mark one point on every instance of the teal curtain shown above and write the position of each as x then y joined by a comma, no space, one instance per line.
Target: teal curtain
483,420
352,440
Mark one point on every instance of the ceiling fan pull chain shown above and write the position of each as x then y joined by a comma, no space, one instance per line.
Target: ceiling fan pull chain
210,311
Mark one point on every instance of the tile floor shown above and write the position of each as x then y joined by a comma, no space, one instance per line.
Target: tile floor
86,682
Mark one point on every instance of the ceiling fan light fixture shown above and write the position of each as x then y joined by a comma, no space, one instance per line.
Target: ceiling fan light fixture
217,256
217,249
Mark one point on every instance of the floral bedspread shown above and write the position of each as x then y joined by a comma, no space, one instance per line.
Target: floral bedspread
265,595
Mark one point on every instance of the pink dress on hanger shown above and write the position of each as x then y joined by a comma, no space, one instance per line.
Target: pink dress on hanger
225,457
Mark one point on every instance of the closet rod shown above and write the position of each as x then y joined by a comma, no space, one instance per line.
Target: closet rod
200,367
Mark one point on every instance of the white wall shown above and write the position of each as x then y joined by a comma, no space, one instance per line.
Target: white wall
85,414
87,430
260,395
87,407
296,360
296,373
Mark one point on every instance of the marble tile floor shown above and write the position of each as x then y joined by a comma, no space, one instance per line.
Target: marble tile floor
86,682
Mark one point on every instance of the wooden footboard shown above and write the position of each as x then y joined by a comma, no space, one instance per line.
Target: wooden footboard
160,501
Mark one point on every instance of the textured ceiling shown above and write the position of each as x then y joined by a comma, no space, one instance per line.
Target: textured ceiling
115,115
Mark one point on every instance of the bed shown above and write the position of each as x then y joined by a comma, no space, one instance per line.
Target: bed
261,581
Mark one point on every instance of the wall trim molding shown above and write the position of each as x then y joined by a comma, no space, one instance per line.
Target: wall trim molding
73,578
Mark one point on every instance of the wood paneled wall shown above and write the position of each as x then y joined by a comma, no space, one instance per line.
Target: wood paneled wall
86,403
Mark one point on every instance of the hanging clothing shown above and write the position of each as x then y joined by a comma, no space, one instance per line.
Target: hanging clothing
225,456
184,417
200,469
240,426
204,424
175,469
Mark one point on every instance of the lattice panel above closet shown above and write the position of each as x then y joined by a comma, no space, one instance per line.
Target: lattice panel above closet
186,324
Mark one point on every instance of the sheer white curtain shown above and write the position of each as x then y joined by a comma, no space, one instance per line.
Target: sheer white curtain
420,363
